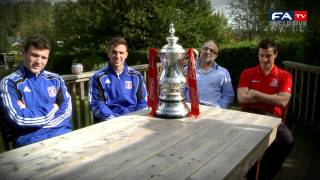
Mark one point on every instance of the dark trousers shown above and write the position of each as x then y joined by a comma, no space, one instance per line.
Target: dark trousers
275,154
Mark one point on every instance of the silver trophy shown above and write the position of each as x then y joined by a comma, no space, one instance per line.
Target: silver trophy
172,81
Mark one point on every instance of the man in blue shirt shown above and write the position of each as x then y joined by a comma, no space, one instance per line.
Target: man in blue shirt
213,81
116,89
36,101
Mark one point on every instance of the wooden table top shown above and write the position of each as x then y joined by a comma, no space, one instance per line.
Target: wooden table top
220,144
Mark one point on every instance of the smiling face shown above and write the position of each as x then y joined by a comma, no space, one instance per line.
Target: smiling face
35,60
267,58
117,55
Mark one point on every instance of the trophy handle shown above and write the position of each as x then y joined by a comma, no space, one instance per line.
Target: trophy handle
185,61
196,53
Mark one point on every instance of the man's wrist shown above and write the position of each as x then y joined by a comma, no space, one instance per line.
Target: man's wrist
55,107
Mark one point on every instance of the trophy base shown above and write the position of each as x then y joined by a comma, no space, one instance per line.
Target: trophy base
172,110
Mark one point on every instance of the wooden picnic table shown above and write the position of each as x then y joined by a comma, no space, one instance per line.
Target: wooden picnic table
219,144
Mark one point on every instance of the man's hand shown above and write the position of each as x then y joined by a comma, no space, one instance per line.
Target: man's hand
253,93
246,95
55,107
21,104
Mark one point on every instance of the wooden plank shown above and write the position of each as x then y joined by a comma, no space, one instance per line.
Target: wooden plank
152,167
65,148
300,93
145,76
174,158
82,105
314,99
95,131
90,116
203,157
73,94
302,67
306,110
138,168
118,162
307,114
291,108
71,77
295,87
64,152
131,165
134,146
216,168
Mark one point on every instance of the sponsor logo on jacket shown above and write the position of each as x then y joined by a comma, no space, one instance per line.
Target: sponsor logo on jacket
26,89
128,84
52,91
274,83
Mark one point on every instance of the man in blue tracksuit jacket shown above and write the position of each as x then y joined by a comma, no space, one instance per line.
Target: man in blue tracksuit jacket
36,101
116,89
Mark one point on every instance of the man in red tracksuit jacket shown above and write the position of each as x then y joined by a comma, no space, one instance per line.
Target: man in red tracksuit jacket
266,89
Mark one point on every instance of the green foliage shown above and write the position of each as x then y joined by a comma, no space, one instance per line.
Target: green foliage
137,57
4,44
5,24
92,59
144,23
35,17
237,57
249,17
25,18
61,62
5,72
85,26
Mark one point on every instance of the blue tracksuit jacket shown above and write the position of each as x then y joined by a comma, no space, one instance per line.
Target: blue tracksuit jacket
112,95
38,121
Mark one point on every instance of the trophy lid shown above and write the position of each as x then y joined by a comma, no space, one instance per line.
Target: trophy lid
172,45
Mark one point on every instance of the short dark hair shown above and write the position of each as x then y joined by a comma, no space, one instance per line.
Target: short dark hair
267,43
115,41
37,41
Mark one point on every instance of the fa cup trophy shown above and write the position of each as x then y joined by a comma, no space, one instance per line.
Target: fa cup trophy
171,100
172,81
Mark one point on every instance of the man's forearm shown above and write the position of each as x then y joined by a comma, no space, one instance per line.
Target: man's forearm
280,99
244,97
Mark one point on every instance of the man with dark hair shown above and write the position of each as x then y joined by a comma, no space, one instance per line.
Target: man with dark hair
266,89
116,89
36,101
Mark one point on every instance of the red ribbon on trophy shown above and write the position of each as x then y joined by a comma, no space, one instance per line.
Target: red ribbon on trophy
152,84
192,83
